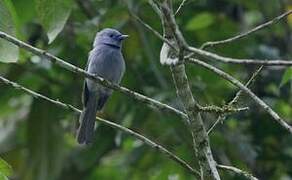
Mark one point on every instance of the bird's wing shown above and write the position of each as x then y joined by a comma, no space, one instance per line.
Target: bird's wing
85,88
85,93
107,63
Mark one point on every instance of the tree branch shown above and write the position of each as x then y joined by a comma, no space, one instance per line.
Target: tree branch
248,83
197,128
235,99
235,82
180,6
237,61
156,33
213,55
237,171
200,138
136,135
231,60
257,28
224,59
227,109
58,61
154,104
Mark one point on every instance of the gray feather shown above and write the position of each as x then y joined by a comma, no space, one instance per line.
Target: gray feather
105,60
87,119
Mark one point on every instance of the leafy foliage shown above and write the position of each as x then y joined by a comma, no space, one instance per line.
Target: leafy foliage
53,15
5,169
8,51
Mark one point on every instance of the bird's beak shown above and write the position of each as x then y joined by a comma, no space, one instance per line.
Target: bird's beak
123,36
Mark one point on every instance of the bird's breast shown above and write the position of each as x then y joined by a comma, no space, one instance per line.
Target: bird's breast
107,63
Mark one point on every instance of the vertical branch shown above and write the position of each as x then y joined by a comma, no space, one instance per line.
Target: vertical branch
196,126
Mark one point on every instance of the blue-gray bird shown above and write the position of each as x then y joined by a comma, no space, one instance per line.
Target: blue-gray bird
105,60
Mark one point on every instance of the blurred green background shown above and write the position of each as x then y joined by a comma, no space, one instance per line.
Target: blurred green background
37,139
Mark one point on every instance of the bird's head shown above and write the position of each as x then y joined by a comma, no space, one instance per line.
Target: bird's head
109,37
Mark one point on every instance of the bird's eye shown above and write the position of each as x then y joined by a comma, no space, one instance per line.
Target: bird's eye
111,35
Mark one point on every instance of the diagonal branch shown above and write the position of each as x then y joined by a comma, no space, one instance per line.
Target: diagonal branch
156,33
237,83
257,28
237,171
180,6
135,95
248,83
136,135
235,99
58,61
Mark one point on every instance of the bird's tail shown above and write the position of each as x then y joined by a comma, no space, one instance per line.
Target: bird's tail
101,101
87,119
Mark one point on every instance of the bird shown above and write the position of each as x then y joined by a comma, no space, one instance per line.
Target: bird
105,60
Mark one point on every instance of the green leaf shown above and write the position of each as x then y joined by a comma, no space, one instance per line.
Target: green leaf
8,51
200,21
27,11
5,168
53,15
287,76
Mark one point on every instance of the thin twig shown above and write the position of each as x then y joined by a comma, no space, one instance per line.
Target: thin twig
144,139
213,55
237,83
155,7
235,99
60,62
156,33
242,35
180,6
218,120
237,171
171,29
223,59
248,83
